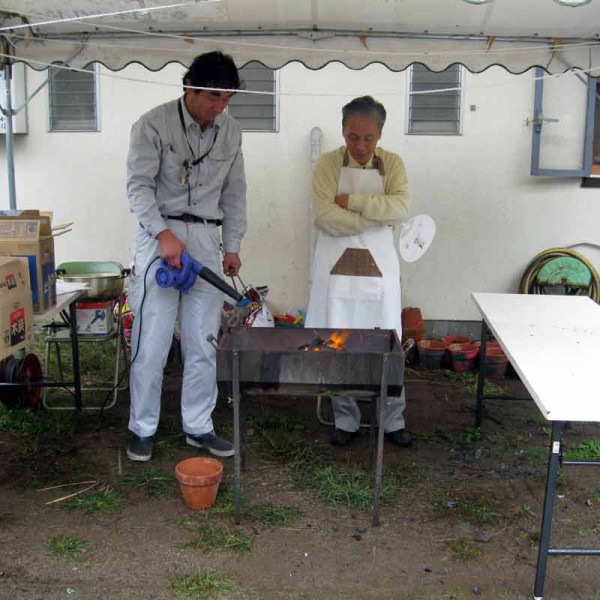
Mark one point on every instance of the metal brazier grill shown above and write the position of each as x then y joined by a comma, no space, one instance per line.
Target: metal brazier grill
300,362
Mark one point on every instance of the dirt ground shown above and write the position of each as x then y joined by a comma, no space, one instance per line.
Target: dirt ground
461,516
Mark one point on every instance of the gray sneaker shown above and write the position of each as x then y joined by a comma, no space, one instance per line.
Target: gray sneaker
211,442
140,448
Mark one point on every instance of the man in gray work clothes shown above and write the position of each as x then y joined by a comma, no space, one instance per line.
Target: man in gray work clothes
187,189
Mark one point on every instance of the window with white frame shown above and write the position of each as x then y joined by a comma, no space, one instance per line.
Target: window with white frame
256,112
439,111
73,99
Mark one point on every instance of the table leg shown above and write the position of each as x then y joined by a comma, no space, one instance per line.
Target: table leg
379,467
481,378
75,354
237,459
553,464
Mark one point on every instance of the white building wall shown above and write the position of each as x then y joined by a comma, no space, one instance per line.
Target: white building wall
492,216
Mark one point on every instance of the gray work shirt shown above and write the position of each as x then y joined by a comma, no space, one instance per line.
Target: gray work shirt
158,179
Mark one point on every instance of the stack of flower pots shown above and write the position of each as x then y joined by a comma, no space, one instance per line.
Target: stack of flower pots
431,353
413,327
412,324
495,360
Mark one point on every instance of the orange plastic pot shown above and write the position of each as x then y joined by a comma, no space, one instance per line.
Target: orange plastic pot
199,479
431,353
491,344
463,356
456,339
495,363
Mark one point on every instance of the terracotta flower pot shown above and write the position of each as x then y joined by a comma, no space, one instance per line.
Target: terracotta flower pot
199,479
412,318
431,353
463,356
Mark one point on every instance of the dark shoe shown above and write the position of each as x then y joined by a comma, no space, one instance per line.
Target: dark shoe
212,442
140,448
400,437
341,437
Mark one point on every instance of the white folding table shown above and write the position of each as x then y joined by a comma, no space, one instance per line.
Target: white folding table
553,342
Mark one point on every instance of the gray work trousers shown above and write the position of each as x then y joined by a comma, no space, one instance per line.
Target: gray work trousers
347,413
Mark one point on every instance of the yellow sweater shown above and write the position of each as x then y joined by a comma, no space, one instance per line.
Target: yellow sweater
364,210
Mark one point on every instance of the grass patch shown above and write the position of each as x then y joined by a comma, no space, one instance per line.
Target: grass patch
283,438
586,450
66,546
152,481
5,516
464,550
524,511
202,585
469,383
29,422
106,501
211,537
481,514
224,501
352,489
532,454
531,537
476,511
473,434
594,499
273,515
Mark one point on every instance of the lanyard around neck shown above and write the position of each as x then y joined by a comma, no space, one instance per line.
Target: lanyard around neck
195,160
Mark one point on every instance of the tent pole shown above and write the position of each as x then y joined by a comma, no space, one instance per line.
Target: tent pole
8,115
10,152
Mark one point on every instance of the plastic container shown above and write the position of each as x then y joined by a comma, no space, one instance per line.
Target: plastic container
495,363
431,353
199,478
463,356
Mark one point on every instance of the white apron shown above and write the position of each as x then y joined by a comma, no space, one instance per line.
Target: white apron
356,301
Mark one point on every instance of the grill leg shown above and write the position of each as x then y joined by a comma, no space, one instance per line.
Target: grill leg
373,408
237,459
379,467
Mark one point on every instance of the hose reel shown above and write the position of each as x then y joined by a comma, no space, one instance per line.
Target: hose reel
20,371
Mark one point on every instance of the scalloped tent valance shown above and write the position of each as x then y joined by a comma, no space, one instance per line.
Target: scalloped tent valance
517,34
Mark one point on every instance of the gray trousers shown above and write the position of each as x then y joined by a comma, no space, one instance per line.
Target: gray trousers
347,413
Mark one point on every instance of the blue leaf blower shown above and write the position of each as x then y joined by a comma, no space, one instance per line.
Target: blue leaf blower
183,279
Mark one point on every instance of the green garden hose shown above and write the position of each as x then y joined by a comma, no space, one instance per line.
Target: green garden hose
530,283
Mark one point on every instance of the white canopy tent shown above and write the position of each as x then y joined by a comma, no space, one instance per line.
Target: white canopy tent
517,34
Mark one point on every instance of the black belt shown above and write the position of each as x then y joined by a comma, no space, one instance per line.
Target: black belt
187,218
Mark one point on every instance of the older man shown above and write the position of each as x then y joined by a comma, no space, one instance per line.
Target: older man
359,193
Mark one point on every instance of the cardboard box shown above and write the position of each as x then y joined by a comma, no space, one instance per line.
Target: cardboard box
16,311
95,318
28,233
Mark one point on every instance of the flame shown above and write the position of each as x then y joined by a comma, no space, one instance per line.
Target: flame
338,339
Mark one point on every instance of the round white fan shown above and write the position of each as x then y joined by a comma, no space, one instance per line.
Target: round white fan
416,237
